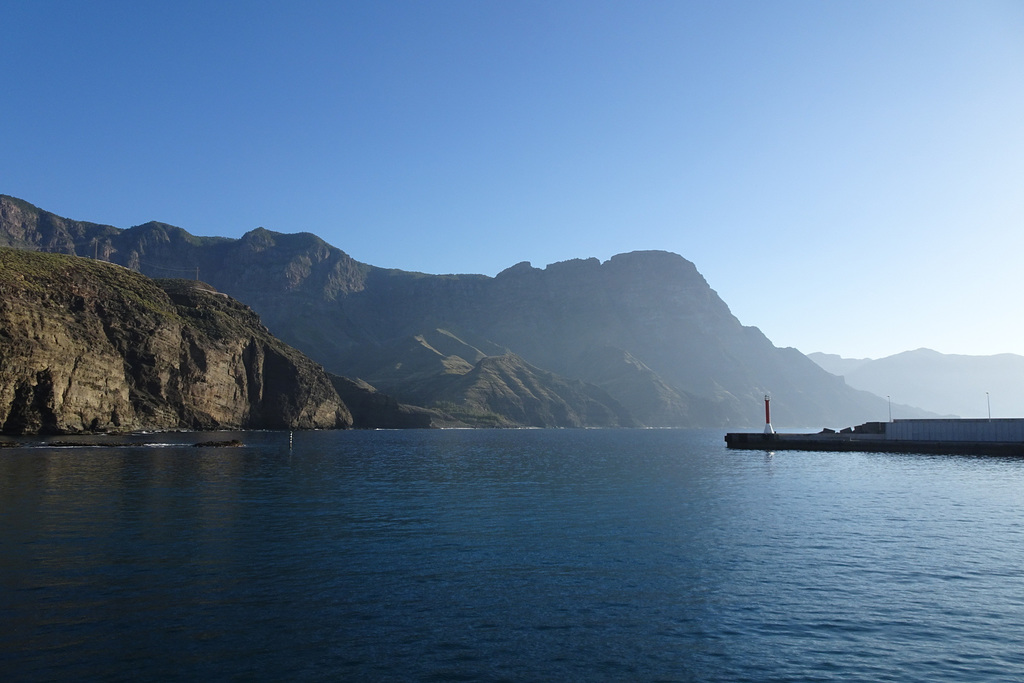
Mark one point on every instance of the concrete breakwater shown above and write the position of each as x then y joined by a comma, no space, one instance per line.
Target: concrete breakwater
1003,436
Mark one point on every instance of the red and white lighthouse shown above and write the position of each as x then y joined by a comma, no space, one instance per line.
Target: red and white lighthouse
768,415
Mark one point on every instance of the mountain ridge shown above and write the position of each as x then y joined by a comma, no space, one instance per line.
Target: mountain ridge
644,327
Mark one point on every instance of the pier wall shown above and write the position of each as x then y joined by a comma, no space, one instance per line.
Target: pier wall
998,430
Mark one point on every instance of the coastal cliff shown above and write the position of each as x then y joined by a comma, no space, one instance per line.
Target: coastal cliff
643,328
87,346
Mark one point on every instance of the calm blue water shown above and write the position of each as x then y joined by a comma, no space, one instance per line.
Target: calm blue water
508,555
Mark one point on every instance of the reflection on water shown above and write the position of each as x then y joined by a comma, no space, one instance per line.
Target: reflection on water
484,555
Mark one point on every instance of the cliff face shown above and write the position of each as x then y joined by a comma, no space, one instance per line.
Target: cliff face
643,327
91,346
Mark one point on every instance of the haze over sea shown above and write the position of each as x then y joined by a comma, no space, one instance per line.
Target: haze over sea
507,555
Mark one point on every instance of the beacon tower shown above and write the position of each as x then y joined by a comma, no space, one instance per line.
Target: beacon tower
768,415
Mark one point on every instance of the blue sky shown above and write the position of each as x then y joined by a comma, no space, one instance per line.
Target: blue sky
848,176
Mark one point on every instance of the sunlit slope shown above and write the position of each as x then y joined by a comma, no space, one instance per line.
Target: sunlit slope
87,346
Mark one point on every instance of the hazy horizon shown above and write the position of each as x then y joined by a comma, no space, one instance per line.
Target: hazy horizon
845,175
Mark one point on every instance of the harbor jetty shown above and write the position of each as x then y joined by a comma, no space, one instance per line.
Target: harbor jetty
1004,436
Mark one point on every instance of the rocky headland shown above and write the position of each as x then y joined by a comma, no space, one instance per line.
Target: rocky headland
88,346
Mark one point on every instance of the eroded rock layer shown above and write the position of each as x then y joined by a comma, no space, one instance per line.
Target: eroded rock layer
88,346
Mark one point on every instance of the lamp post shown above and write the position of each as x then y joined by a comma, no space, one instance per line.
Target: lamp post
890,407
988,402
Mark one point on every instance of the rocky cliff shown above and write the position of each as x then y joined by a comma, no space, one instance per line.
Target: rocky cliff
644,328
87,346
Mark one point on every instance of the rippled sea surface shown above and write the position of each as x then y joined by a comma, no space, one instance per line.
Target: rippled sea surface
507,555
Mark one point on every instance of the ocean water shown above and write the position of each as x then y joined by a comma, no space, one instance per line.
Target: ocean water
533,555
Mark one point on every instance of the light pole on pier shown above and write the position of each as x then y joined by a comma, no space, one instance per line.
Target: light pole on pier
890,407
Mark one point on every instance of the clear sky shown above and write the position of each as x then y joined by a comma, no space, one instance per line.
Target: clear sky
848,176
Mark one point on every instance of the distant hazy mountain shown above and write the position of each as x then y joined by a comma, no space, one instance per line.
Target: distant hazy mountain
639,339
836,364
941,383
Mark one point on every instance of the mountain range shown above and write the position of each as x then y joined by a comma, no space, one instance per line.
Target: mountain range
638,340
947,384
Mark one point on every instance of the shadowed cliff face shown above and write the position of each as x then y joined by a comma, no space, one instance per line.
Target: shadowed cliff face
645,327
90,346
